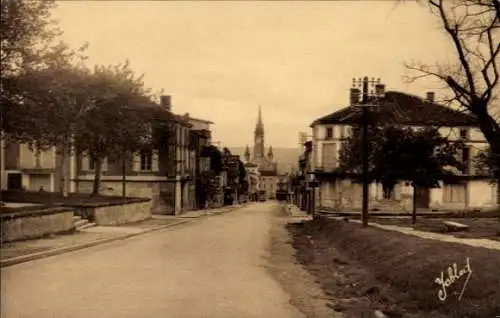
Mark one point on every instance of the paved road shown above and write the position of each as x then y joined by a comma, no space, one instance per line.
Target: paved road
215,267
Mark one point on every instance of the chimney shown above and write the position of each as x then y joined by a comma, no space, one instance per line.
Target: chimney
430,97
380,90
165,102
355,96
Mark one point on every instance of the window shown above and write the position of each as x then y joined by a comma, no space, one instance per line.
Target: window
454,193
329,132
91,164
146,160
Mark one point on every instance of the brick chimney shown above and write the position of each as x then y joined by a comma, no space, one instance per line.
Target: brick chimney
430,97
355,96
165,102
380,90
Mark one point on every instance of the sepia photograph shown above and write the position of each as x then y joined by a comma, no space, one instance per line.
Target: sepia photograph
250,159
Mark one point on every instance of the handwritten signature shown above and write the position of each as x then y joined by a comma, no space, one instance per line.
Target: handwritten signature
453,275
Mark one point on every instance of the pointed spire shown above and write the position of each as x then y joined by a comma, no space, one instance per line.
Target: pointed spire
270,153
259,128
247,154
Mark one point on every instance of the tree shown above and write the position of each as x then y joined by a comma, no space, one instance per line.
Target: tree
54,101
207,182
27,47
423,160
215,156
113,123
420,158
472,26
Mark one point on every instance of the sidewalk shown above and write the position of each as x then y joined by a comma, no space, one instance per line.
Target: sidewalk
486,243
23,251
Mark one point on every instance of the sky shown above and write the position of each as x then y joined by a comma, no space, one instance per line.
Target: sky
220,60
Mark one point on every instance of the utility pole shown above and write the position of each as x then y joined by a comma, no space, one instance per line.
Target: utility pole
366,102
365,152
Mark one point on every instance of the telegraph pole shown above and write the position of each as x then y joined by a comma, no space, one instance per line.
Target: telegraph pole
365,152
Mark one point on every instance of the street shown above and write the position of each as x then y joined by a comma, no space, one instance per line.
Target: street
213,267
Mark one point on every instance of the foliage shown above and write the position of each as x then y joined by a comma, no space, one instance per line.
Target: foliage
487,161
207,186
26,34
117,119
33,66
400,154
215,156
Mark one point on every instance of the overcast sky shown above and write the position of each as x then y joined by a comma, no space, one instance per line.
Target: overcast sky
220,60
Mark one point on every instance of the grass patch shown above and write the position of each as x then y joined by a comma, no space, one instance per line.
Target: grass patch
396,271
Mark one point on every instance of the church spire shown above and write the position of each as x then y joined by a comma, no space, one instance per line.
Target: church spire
259,128
247,154
270,154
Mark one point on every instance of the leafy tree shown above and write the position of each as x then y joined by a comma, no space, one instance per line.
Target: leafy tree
28,48
425,157
420,158
54,101
473,76
113,123
215,156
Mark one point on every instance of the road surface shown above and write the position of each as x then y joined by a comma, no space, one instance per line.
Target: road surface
214,267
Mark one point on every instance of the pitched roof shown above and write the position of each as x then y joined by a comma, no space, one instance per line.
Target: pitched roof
402,108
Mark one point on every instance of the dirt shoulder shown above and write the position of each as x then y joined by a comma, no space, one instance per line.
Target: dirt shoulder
363,269
305,293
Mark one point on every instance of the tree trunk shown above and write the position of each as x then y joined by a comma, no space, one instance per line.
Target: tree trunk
124,174
63,186
97,177
414,206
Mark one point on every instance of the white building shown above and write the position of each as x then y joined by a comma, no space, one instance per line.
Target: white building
469,190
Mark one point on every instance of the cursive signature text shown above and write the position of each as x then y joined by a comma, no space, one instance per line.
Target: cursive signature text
453,274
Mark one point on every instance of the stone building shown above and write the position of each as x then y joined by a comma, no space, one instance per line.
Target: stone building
167,175
469,189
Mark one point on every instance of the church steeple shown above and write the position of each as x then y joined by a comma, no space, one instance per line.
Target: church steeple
247,154
259,128
259,138
270,154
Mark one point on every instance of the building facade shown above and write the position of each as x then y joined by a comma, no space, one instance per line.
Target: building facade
28,169
470,189
266,165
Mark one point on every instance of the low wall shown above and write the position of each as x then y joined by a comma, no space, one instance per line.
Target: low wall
122,214
33,224
161,193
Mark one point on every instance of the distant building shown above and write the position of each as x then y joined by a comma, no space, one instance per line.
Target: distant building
266,165
469,189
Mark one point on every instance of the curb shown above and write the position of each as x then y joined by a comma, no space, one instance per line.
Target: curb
61,250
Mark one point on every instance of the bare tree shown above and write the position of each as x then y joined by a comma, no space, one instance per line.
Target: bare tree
473,27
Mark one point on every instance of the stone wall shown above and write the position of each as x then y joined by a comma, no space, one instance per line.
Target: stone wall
35,224
160,193
122,214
